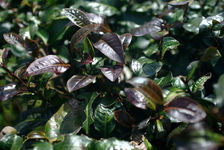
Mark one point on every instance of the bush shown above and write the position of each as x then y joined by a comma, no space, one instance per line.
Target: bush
102,74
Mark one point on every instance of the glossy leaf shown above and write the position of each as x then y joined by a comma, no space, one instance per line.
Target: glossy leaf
210,53
49,63
218,89
193,25
110,144
112,73
100,8
3,55
82,33
185,109
169,43
152,68
149,88
43,146
8,91
89,113
11,141
73,142
179,2
125,39
153,28
191,68
208,22
14,39
36,135
76,16
76,82
98,19
199,84
110,45
164,81
104,120
136,98
124,118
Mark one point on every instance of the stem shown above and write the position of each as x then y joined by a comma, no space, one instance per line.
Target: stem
160,49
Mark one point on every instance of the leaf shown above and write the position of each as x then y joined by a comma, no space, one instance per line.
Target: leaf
169,43
153,28
178,2
149,88
193,25
8,91
125,39
185,109
31,47
36,135
82,33
164,81
3,55
76,16
110,144
89,112
210,53
208,22
76,82
43,34
110,45
104,120
136,98
98,19
101,9
49,63
73,142
152,68
14,39
124,118
69,118
112,73
191,68
218,89
11,141
43,146
198,85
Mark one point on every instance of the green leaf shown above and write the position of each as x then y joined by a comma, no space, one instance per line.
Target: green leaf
191,68
104,120
152,68
11,141
193,25
210,53
43,146
43,34
208,22
164,80
89,113
153,48
73,142
100,8
218,89
110,144
199,84
169,43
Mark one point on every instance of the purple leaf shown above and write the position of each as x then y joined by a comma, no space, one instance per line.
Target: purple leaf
153,28
49,63
8,91
124,118
14,39
149,88
125,39
110,45
178,2
136,98
112,73
76,82
185,109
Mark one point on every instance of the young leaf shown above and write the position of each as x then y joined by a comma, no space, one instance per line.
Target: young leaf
83,32
185,109
125,39
149,88
110,45
136,98
49,63
14,39
124,118
104,120
169,43
8,91
76,16
76,82
112,73
153,28
198,85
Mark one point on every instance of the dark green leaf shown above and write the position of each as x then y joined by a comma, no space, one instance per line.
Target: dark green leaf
193,25
164,80
169,43
185,109
210,53
43,146
218,89
11,141
199,84
76,82
191,68
152,68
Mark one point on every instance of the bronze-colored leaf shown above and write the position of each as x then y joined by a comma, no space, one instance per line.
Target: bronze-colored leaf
14,39
31,47
110,45
3,55
124,118
178,2
185,109
149,88
83,32
112,73
49,63
8,91
125,39
76,82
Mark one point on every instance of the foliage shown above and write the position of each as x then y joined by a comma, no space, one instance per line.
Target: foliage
100,75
